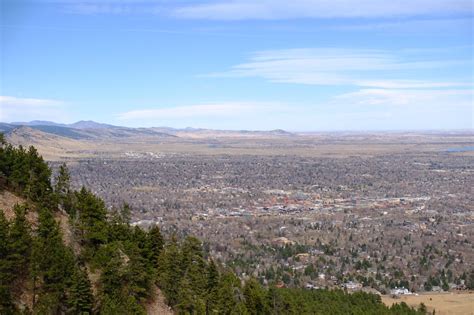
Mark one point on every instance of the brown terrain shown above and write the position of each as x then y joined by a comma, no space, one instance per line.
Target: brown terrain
459,303
57,147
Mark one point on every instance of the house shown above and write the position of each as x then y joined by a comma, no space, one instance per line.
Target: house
400,291
352,285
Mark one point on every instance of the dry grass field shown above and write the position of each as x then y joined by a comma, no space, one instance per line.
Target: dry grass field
443,303
334,145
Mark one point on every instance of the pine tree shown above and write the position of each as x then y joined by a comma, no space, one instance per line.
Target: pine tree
52,264
63,185
6,275
80,299
38,185
230,297
62,190
254,297
188,301
20,242
169,271
154,246
111,276
136,279
212,287
124,283
92,218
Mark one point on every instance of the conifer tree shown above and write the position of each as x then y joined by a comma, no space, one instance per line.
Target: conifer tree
80,299
136,278
110,278
188,302
38,185
92,218
230,297
52,264
154,246
212,287
254,297
62,190
6,303
20,242
169,271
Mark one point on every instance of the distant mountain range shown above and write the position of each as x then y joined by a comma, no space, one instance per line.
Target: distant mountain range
90,130
82,124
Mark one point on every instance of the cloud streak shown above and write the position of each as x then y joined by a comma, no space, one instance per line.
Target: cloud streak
358,67
450,98
283,9
24,109
215,110
273,9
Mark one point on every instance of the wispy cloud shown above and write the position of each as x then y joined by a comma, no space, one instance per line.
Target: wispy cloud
284,9
115,7
451,98
273,9
215,110
24,109
411,26
326,66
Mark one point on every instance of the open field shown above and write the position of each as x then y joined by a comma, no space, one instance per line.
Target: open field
443,303
55,147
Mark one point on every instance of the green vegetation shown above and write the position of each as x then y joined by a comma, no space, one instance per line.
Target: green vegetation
126,262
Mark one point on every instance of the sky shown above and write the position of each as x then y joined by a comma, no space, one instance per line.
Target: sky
300,65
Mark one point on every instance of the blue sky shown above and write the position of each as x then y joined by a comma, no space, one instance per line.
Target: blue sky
296,65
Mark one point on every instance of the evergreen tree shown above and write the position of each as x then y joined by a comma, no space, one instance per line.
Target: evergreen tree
20,242
188,301
230,297
111,275
52,265
169,271
124,283
6,276
254,297
212,287
80,299
136,279
153,246
62,190
92,218
38,185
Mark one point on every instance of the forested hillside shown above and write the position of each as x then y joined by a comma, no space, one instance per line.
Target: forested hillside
105,266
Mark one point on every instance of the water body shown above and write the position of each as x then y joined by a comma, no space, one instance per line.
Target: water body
461,149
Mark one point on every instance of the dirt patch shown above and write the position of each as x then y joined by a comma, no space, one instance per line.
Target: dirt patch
157,305
8,201
444,303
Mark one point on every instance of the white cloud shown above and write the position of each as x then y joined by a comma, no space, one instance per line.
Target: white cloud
215,110
453,98
284,9
25,109
417,26
326,66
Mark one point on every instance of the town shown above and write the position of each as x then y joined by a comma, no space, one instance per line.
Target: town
390,223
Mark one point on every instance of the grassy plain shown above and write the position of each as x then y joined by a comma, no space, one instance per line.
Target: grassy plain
333,145
461,303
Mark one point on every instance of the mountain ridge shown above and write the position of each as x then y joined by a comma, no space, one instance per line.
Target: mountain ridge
91,130
90,124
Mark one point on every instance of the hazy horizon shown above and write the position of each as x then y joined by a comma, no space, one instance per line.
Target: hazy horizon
38,123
